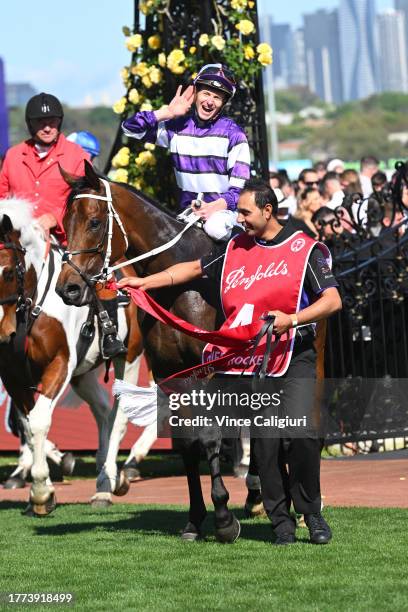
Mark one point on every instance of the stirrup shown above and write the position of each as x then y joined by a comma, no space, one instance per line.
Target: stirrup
112,346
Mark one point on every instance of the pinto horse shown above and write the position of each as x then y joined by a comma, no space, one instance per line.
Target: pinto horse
39,353
111,218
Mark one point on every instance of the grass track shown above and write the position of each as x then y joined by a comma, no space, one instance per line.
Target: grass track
130,558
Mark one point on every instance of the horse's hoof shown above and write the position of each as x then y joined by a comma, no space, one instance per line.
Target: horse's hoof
191,533
252,510
14,482
67,464
132,474
41,510
229,534
122,485
100,504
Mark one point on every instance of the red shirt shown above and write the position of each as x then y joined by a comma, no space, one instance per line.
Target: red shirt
26,175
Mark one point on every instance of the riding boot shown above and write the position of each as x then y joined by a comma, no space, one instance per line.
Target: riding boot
111,344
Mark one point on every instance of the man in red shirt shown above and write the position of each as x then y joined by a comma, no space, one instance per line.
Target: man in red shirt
30,169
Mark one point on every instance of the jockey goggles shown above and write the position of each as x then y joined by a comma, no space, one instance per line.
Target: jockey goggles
218,77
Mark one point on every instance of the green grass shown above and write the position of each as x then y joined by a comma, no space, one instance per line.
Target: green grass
130,558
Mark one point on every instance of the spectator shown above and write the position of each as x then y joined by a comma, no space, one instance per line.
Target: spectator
31,168
332,190
368,167
335,165
275,180
350,182
378,181
320,169
326,223
309,202
307,178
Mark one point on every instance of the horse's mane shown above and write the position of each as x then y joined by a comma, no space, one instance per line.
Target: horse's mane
31,235
82,184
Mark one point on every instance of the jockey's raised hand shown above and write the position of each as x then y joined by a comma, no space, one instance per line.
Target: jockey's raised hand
179,106
206,209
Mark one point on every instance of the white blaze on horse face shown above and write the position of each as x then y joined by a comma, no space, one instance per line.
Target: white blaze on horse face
1,313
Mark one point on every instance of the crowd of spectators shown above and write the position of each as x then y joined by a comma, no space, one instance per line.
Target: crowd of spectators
317,196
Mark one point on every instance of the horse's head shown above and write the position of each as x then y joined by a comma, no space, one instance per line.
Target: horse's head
95,235
12,272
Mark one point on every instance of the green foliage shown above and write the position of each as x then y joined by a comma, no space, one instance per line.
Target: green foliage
294,99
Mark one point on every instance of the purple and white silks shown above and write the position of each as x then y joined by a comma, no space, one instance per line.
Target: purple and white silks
213,160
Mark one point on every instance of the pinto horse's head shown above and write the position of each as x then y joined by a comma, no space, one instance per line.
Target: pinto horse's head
11,263
86,226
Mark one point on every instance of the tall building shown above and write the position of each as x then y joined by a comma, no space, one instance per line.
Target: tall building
357,48
297,71
18,94
281,37
392,51
402,6
321,36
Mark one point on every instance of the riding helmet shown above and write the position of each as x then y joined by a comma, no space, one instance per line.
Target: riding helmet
43,105
87,141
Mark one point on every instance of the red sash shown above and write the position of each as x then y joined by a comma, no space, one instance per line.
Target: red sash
257,278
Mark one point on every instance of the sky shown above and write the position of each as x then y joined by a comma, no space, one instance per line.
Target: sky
75,49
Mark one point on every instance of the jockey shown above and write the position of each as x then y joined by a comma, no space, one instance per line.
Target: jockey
209,151
31,168
87,141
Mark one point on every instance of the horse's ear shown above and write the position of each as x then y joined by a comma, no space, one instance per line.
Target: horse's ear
6,224
91,176
71,179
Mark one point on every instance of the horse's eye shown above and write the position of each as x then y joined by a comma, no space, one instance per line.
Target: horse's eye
94,224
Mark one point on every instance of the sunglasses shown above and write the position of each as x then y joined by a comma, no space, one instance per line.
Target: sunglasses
311,183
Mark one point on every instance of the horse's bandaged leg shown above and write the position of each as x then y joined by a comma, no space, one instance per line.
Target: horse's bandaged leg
144,443
39,421
52,452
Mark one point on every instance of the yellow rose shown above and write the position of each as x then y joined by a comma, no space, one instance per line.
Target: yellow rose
177,68
265,59
251,4
249,52
182,43
146,106
138,184
124,74
121,176
145,7
245,27
134,96
264,48
218,42
121,158
154,41
176,56
145,158
141,69
133,42
149,146
239,5
203,40
162,60
146,81
192,50
193,76
155,75
119,106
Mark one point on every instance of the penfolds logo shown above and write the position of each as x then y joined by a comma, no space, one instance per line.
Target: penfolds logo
238,278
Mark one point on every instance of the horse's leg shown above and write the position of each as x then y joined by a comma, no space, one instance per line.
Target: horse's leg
227,526
253,503
108,480
65,461
88,388
53,383
17,479
190,452
139,451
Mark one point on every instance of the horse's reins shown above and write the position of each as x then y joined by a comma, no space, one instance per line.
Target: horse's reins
107,269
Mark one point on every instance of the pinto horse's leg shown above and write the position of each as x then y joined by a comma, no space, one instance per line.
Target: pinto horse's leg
190,452
17,479
227,526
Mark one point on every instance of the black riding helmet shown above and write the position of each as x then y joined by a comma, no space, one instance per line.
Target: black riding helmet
43,105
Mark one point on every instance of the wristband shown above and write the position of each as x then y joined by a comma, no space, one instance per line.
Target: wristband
294,320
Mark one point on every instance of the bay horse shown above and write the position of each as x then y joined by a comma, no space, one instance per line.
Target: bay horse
36,376
103,217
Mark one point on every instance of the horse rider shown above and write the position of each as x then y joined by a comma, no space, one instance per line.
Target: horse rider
285,269
87,141
31,171
209,151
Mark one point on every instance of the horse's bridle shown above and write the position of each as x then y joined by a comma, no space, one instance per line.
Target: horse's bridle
19,296
98,249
